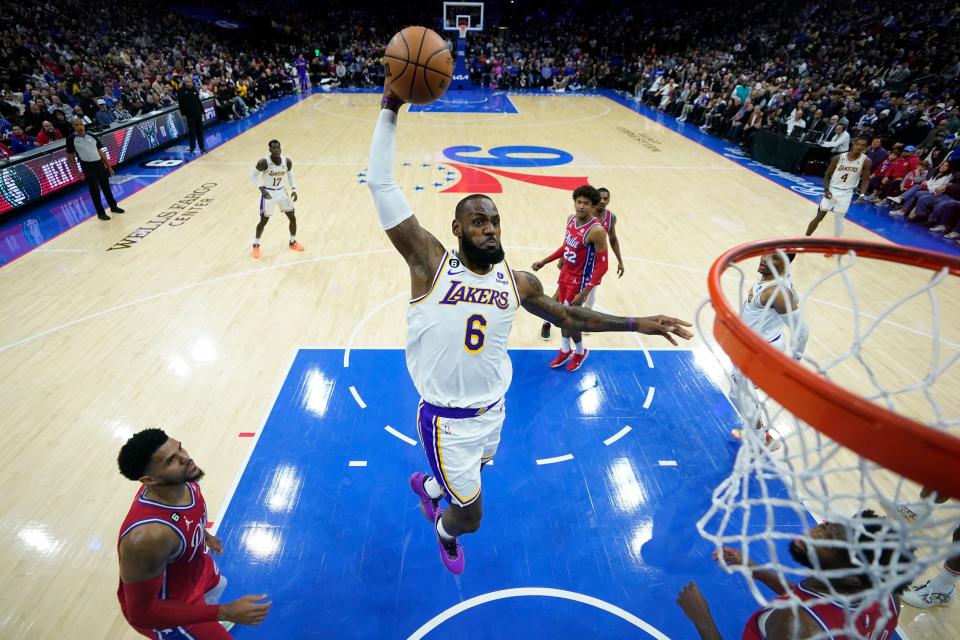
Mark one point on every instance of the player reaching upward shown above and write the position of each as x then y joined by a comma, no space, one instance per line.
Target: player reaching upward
815,610
609,221
461,312
771,306
584,253
844,173
268,176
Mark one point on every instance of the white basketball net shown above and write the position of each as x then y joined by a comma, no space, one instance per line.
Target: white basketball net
463,27
768,500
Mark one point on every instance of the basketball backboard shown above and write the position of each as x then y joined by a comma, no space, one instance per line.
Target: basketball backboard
455,13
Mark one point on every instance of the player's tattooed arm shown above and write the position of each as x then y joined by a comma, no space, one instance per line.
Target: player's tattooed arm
421,250
536,302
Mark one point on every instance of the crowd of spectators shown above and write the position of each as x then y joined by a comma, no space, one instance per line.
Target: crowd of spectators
815,70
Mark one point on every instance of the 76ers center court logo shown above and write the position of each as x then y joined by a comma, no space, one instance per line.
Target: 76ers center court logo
470,170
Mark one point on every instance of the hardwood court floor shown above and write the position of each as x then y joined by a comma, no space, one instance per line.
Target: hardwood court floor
161,317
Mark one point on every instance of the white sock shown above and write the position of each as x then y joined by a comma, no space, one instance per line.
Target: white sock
256,242
293,239
564,344
944,581
578,347
433,488
443,533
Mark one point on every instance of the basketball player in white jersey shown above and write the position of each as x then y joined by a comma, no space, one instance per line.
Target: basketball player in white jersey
771,307
269,176
461,312
845,173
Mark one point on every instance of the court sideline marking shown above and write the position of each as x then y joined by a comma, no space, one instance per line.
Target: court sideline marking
368,252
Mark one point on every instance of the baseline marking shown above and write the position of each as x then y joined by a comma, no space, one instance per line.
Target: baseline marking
619,434
649,399
493,596
253,445
359,325
397,434
187,287
356,396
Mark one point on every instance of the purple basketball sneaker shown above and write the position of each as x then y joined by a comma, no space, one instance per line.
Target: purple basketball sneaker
451,553
428,505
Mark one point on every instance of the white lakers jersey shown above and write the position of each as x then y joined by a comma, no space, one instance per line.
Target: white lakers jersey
766,321
275,177
847,173
457,335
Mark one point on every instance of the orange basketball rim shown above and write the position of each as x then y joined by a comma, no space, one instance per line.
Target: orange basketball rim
924,454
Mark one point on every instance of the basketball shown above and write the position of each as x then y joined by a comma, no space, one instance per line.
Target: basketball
418,65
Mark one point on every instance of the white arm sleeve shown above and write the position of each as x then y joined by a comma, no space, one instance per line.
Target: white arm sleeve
290,181
392,206
799,334
256,177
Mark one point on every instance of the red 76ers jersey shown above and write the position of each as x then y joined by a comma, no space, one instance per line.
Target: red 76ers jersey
578,256
191,571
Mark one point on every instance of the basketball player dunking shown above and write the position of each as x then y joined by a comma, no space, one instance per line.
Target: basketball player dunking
584,253
609,221
268,176
169,584
844,173
461,311
771,306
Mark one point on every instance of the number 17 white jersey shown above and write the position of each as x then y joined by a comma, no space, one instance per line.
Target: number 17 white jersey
457,335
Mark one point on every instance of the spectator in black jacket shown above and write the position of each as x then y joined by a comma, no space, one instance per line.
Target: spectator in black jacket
192,111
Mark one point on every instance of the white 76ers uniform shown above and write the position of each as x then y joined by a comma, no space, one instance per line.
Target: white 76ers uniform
457,357
845,178
275,179
765,320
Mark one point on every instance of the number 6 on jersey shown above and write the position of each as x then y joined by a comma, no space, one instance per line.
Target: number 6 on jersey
473,340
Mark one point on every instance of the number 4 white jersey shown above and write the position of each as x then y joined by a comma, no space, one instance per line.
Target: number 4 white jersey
847,173
457,335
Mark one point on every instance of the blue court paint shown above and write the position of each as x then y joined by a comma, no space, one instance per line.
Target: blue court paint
867,216
469,101
344,551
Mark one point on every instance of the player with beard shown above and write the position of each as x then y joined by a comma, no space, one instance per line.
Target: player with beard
462,307
813,616
169,584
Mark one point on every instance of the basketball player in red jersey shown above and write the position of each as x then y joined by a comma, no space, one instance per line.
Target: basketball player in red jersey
584,253
609,221
169,584
876,622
